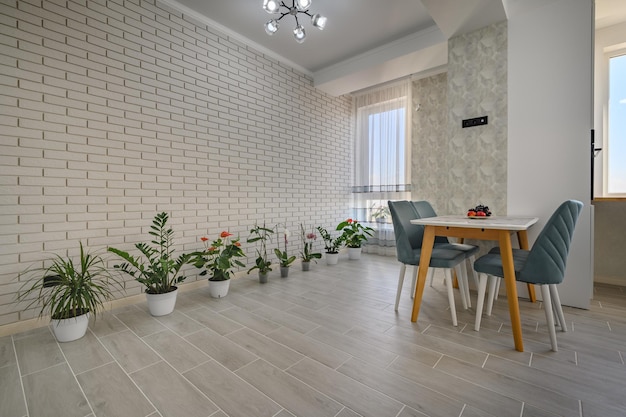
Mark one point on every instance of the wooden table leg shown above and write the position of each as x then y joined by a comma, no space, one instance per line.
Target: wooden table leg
427,249
522,238
506,252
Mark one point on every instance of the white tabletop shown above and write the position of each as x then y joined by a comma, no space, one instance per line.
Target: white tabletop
491,222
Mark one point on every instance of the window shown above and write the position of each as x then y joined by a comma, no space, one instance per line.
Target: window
615,155
382,150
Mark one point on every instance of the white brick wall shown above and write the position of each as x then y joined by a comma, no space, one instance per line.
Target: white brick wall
115,111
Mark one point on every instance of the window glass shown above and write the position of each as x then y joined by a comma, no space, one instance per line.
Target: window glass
616,149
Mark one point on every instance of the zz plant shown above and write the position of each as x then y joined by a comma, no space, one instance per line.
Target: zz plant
157,268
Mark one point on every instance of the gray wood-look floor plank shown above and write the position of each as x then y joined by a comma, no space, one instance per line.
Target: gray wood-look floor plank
278,355
171,393
178,352
231,393
214,321
39,350
326,342
223,350
309,347
85,353
418,397
345,390
112,393
290,392
11,397
44,398
129,350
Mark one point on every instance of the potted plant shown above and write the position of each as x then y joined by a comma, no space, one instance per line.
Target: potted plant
380,214
262,262
283,257
69,293
218,259
307,253
159,270
331,245
354,235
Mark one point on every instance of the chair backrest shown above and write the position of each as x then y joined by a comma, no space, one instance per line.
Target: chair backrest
409,236
424,210
548,257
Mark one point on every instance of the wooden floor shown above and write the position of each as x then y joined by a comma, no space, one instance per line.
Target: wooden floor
326,342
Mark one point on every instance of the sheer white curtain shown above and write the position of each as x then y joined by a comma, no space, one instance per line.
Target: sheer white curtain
382,159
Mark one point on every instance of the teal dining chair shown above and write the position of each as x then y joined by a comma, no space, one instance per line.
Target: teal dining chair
409,245
424,209
544,265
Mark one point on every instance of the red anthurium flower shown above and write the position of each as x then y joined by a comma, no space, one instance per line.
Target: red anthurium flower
349,220
212,248
237,244
204,239
225,234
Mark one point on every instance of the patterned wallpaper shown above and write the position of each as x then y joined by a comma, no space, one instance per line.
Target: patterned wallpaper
452,167
477,86
429,147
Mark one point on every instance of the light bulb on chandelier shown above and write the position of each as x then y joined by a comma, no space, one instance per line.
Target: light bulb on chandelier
297,7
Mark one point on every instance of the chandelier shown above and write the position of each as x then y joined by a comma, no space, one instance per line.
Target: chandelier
297,7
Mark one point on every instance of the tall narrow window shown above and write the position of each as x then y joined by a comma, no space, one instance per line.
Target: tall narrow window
382,150
616,149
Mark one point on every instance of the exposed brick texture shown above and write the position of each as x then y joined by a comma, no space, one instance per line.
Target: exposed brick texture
112,111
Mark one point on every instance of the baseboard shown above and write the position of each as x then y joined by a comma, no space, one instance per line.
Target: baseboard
619,281
31,324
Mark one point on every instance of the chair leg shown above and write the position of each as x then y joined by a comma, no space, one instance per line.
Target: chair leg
400,282
431,274
414,280
556,303
547,307
471,260
493,283
462,280
497,289
482,285
448,278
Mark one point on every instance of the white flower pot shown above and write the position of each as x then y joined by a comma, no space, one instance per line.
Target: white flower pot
68,330
331,258
354,253
162,304
219,289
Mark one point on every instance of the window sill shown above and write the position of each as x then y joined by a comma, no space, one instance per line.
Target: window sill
603,199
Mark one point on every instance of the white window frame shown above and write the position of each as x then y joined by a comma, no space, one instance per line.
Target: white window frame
605,139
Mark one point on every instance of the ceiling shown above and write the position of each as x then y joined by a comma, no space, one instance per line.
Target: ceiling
368,42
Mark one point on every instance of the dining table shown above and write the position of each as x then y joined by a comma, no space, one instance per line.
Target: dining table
498,228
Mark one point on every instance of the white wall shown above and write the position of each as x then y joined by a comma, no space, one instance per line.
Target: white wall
550,117
112,114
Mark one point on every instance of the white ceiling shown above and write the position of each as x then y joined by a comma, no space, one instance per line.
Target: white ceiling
368,42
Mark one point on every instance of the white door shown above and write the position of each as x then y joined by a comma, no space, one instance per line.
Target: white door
550,100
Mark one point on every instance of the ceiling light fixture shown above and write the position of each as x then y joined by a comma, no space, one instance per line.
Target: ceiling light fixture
297,6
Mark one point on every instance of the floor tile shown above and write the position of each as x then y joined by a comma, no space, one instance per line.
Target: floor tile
294,395
44,398
12,400
111,393
345,390
171,393
232,394
176,351
85,353
129,350
37,351
266,348
223,350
